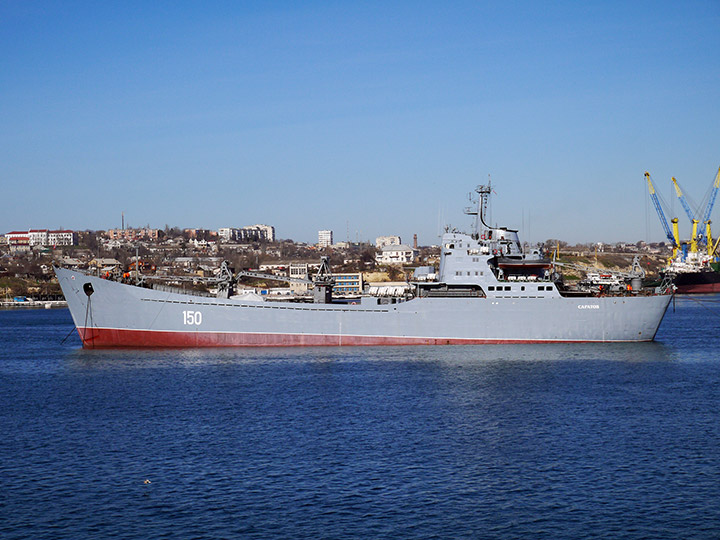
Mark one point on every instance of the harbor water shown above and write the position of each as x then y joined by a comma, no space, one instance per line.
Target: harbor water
553,441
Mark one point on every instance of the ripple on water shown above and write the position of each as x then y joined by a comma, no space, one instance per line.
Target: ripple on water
556,441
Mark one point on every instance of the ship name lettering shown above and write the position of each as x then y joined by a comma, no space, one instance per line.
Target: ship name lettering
588,306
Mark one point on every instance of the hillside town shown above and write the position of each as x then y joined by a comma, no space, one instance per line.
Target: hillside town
191,254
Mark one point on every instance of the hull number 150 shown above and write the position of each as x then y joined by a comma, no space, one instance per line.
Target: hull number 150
192,318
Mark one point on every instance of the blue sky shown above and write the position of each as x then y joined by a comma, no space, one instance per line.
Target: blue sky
367,118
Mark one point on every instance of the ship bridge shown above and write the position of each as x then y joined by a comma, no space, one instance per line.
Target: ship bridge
490,264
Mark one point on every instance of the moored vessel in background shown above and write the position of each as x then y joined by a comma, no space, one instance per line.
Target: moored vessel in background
690,278
693,267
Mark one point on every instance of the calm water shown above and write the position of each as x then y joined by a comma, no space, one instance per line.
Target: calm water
554,441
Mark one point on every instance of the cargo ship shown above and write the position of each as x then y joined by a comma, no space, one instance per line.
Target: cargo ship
693,267
700,282
694,278
485,291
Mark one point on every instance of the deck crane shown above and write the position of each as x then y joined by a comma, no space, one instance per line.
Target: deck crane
674,235
690,214
322,282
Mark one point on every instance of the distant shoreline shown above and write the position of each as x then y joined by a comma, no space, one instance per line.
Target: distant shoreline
33,304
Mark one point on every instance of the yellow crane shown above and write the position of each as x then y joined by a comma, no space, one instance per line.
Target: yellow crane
676,236
697,241
708,236
690,214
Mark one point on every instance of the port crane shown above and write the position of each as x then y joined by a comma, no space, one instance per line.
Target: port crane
672,235
712,249
692,215
713,195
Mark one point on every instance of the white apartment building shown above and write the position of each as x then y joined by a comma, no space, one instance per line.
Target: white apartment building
226,234
38,237
247,234
348,284
18,241
41,237
382,241
299,271
265,232
396,254
61,238
325,238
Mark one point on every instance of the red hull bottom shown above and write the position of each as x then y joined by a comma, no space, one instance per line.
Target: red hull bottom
700,288
100,338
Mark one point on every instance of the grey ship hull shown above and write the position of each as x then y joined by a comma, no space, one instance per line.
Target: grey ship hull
120,315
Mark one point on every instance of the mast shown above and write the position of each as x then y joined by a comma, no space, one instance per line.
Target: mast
480,210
